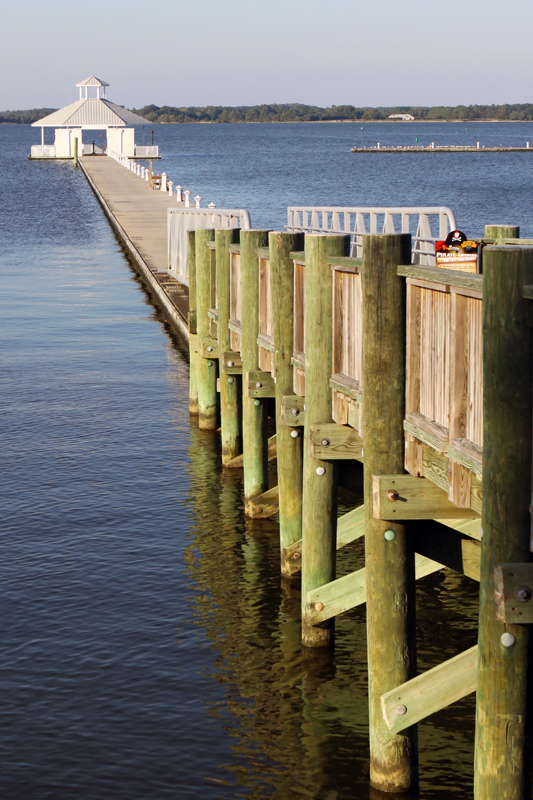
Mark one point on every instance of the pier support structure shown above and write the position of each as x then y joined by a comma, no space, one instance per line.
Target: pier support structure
505,671
389,553
320,478
207,367
191,323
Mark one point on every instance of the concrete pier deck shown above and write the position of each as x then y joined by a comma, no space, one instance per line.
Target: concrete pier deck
138,215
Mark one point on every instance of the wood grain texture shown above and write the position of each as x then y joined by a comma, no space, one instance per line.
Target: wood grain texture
431,691
333,442
415,498
319,515
390,570
290,454
503,713
207,368
263,506
192,324
510,581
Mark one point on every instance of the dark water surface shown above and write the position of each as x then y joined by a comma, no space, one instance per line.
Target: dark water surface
148,648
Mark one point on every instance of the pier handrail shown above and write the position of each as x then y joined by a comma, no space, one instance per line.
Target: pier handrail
358,221
180,220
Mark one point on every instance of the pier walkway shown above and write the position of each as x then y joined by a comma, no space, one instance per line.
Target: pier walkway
138,215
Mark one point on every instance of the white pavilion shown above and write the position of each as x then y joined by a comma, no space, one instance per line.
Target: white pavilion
92,113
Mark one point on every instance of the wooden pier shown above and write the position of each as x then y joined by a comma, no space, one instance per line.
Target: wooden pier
410,383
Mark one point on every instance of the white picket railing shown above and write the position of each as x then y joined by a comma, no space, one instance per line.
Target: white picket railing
43,151
181,220
425,224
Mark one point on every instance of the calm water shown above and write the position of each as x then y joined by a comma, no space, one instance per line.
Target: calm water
148,648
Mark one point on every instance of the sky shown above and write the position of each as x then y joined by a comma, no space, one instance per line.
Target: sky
247,52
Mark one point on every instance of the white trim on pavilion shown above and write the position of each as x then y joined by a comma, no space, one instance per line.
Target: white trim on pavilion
92,114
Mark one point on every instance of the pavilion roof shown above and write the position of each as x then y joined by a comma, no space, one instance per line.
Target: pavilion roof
91,111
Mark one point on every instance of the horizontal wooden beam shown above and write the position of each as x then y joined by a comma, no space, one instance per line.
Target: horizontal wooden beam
513,590
406,497
449,547
350,591
263,505
191,321
350,526
293,410
232,363
238,461
332,442
427,693
209,347
259,385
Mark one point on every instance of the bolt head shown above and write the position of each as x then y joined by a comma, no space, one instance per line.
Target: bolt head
294,434
296,556
325,442
319,606
401,710
523,594
390,535
209,349
257,402
209,363
392,495
295,412
320,471
258,385
230,379
508,639
231,363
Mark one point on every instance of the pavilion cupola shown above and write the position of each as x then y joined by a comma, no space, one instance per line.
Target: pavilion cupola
91,83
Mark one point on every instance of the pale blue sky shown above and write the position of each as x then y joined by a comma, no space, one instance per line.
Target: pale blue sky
244,52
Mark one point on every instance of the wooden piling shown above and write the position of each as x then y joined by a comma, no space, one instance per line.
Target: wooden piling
289,447
254,411
504,696
207,367
193,338
320,478
390,571
75,151
230,384
500,232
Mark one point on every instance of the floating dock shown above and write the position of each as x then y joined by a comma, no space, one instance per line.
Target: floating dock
441,149
404,382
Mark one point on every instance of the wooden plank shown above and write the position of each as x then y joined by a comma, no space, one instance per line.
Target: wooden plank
238,461
346,261
330,442
443,276
460,488
293,410
427,431
404,497
209,347
259,384
468,454
349,592
264,505
232,362
513,588
449,547
430,692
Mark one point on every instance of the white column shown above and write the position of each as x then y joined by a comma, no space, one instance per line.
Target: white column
197,200
187,198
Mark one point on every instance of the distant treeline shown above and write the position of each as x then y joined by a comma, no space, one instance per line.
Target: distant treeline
296,112
25,117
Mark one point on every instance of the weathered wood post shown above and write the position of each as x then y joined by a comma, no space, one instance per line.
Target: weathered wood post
230,385
254,411
207,367
193,338
500,232
289,446
389,560
75,151
505,679
320,478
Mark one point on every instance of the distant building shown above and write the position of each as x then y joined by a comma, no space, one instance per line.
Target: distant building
404,117
92,114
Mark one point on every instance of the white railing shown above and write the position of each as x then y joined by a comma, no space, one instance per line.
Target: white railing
426,225
181,220
93,149
146,151
43,151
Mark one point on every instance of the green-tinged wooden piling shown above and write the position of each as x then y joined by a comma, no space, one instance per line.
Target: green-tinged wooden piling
75,151
193,338
500,232
390,567
320,478
505,681
207,367
254,411
230,385
288,440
